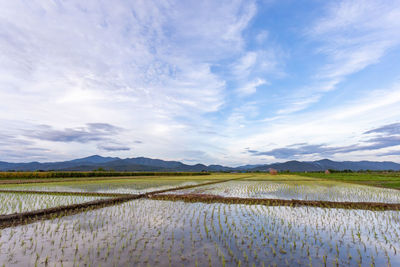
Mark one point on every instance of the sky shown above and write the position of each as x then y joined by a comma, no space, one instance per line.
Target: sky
216,82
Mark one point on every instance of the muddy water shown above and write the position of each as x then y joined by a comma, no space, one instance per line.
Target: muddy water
164,233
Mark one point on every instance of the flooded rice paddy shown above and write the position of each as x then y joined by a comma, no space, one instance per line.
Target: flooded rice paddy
146,232
163,233
299,190
125,186
16,203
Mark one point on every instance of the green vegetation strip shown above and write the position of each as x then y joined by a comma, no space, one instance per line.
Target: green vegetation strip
284,180
276,202
66,193
379,179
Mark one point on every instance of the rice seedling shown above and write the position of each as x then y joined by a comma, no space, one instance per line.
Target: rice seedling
118,185
299,190
126,186
148,232
17,203
165,233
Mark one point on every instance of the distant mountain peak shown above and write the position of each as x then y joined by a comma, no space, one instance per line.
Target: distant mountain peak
148,164
324,160
95,159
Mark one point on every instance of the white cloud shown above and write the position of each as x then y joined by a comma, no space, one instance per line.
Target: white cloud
356,34
251,69
340,125
141,65
245,64
262,36
179,76
251,87
352,35
298,104
258,62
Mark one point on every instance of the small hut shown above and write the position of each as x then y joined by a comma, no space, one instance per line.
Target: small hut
327,172
273,171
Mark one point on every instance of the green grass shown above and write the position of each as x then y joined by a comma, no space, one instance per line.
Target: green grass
380,179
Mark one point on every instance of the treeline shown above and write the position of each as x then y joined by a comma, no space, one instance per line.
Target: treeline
60,174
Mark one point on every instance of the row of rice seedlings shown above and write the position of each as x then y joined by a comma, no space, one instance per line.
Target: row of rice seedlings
164,233
16,203
317,190
120,187
281,177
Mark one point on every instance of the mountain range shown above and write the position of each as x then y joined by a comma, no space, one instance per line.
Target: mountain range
147,164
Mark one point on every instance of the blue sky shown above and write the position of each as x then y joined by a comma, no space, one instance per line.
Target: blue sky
226,82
